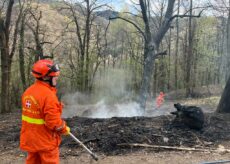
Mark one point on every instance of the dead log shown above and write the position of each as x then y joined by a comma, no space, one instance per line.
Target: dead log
219,150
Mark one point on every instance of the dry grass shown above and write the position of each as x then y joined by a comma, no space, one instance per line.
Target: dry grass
210,102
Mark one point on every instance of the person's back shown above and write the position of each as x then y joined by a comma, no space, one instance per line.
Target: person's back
41,117
35,103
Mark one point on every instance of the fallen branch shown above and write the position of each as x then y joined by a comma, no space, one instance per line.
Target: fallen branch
160,54
162,147
90,140
174,148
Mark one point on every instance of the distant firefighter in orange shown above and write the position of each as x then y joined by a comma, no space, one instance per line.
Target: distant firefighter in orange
160,99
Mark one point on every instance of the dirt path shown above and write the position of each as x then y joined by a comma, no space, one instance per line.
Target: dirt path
141,157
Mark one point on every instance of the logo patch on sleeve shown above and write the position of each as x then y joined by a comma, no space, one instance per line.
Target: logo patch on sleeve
28,104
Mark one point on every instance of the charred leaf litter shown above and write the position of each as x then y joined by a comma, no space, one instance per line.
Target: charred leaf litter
113,136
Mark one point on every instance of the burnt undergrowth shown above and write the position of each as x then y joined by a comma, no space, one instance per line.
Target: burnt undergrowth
106,135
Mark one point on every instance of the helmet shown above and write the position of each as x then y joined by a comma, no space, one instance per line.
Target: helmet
44,68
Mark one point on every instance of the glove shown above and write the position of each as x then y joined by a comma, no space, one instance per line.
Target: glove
67,131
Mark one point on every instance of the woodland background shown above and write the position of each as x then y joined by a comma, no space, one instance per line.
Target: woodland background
175,46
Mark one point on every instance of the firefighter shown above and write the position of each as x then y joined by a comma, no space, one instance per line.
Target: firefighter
160,99
42,125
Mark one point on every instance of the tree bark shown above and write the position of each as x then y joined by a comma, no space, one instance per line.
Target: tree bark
21,53
6,59
169,62
148,59
151,44
5,102
177,46
224,104
87,44
189,56
38,52
228,46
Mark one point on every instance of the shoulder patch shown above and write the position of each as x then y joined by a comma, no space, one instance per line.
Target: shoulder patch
29,101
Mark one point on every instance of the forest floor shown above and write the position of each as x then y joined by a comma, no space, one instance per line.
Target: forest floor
132,140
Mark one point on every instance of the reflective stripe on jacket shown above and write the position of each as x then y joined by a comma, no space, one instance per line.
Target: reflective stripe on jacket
33,120
41,118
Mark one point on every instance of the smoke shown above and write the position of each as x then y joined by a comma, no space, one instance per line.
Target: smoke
112,85
111,98
118,110
75,104
74,107
100,109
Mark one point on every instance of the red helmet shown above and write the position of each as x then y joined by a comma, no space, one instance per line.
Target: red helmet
44,68
161,93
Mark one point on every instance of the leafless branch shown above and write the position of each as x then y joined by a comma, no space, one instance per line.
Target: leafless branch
106,29
103,5
31,28
135,25
45,42
203,8
16,32
161,54
8,14
134,2
3,4
184,15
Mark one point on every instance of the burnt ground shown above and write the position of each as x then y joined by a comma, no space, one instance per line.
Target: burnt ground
108,135
113,136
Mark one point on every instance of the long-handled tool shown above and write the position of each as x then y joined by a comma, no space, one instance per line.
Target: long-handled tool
90,152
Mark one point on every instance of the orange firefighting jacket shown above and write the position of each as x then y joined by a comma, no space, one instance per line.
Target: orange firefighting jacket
160,100
41,118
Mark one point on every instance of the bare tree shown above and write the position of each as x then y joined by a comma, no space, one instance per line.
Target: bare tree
6,53
152,40
21,47
177,46
34,26
224,103
82,15
222,8
189,54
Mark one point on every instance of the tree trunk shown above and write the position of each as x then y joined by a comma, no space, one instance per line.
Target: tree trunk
228,45
224,104
176,51
5,57
5,74
5,104
151,44
189,56
148,59
81,72
169,62
38,52
21,53
87,45
146,77
163,74
155,79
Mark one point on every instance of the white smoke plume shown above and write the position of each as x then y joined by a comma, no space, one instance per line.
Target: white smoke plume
111,98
